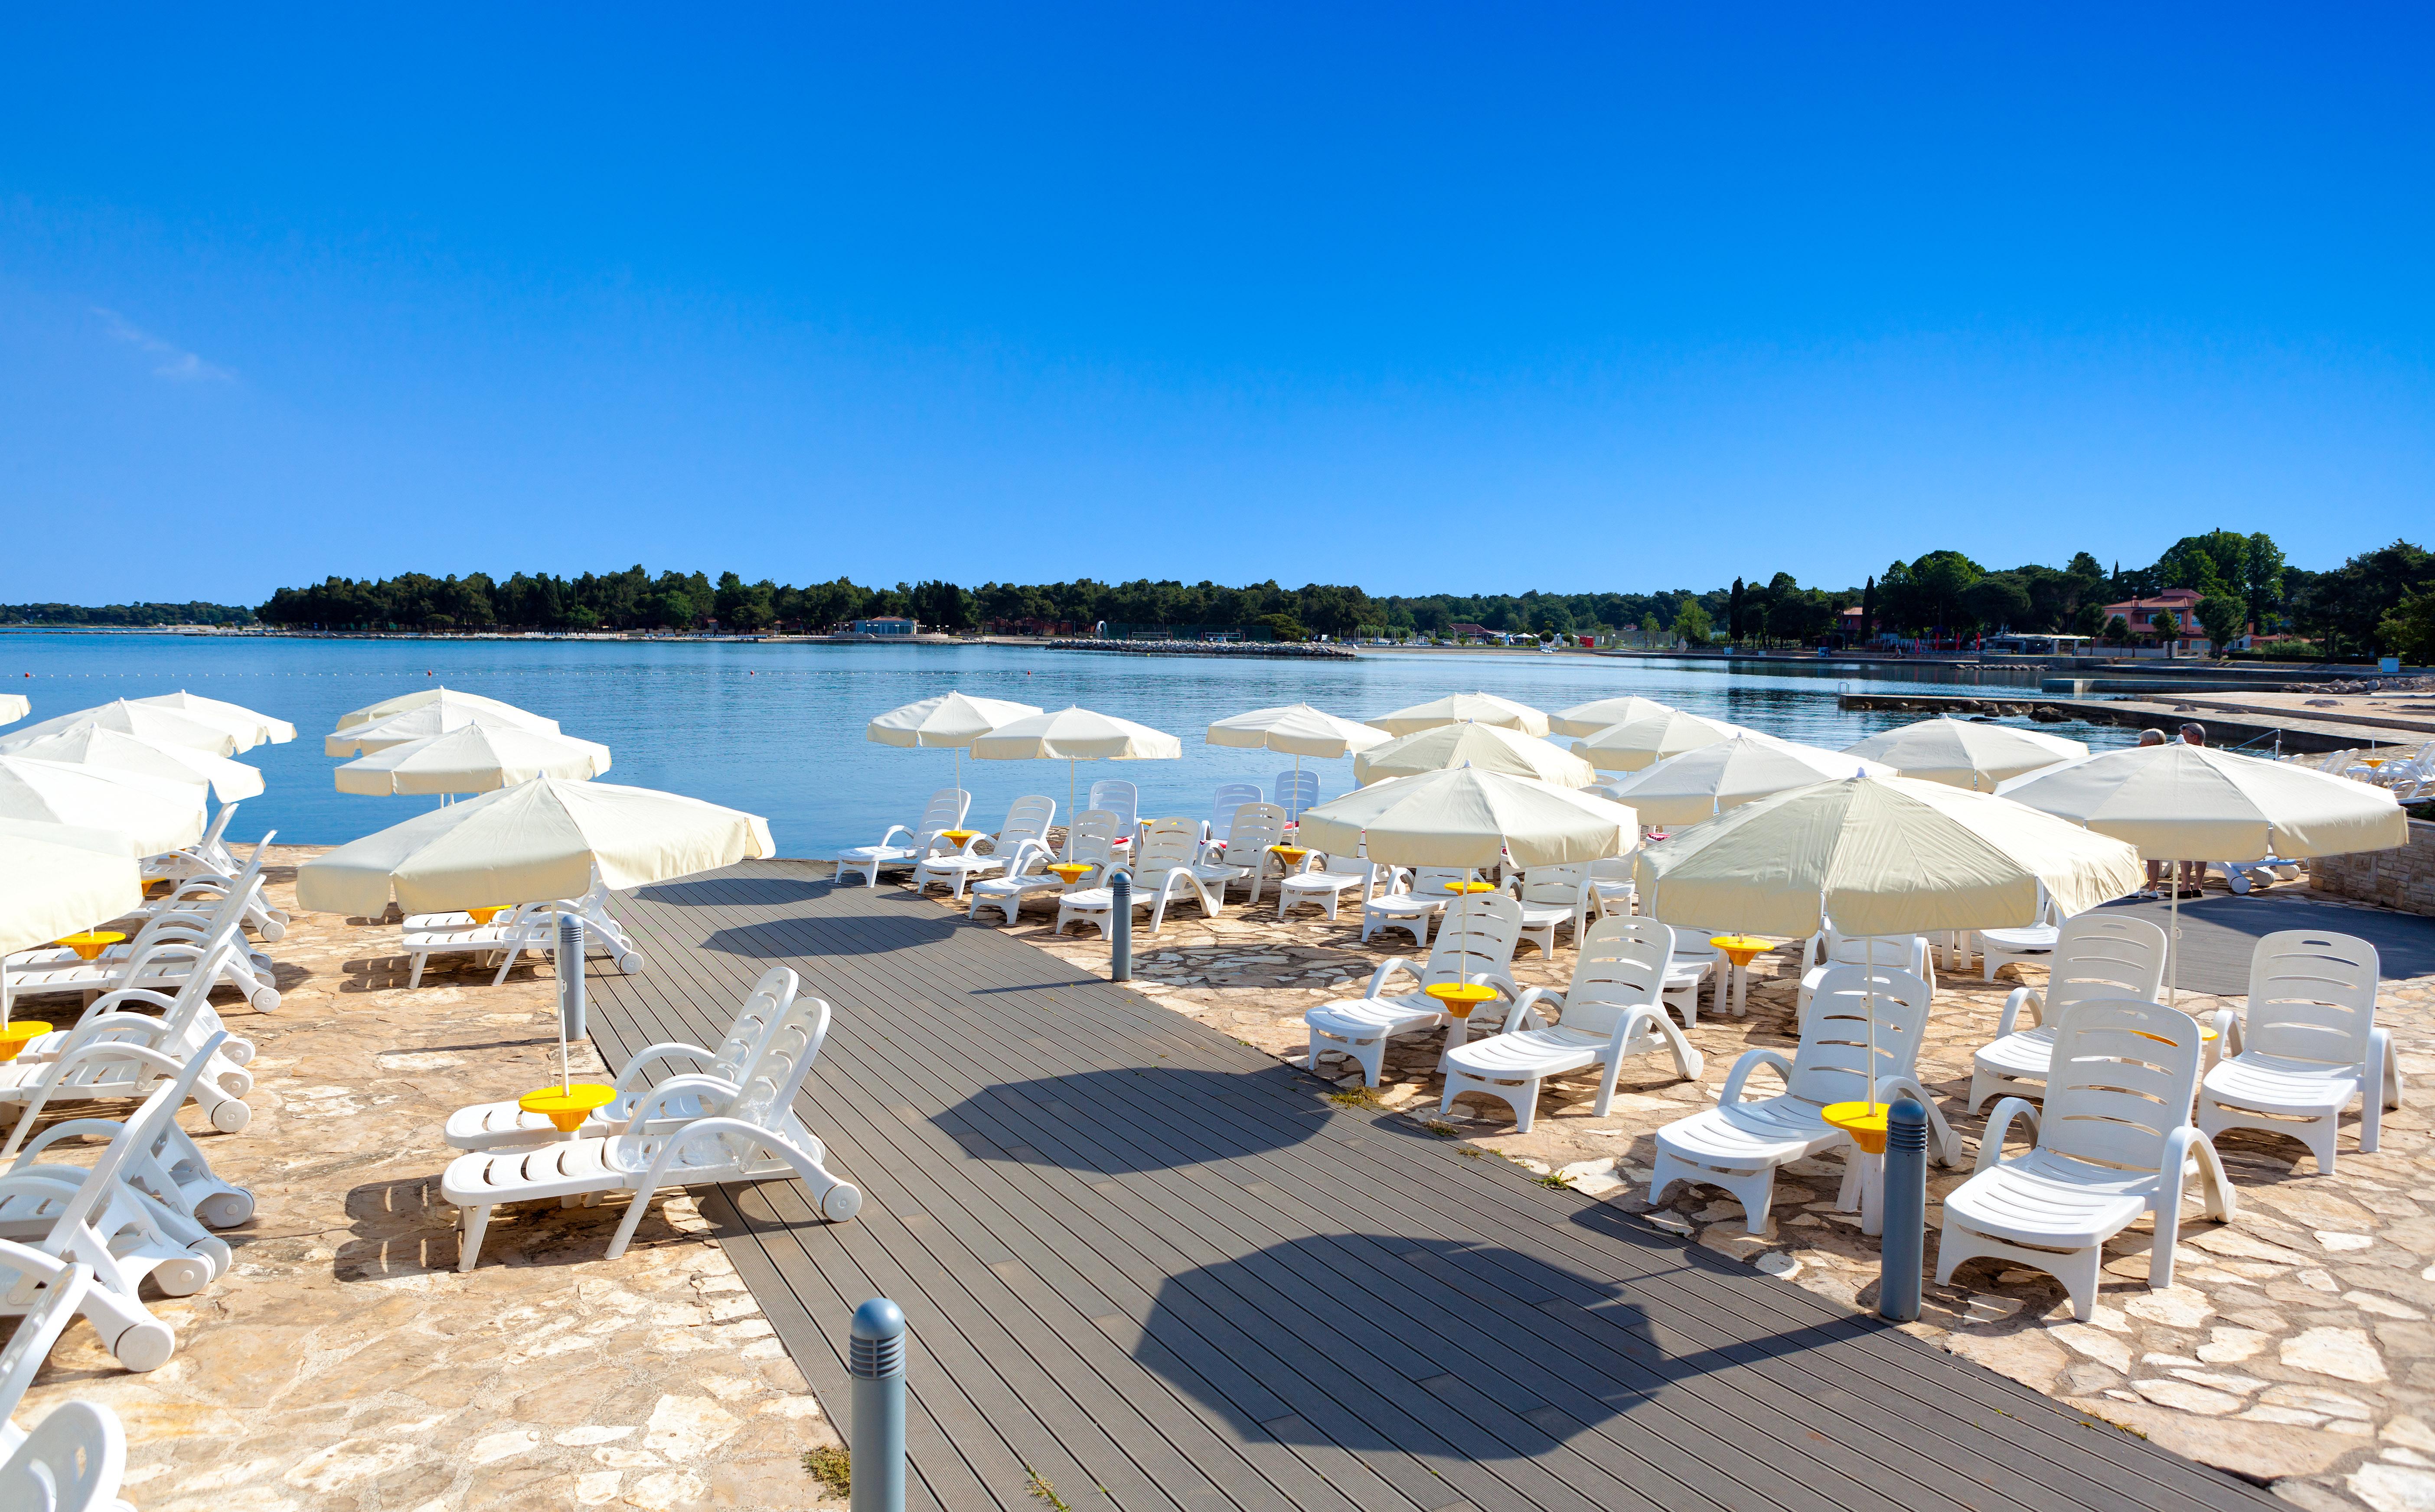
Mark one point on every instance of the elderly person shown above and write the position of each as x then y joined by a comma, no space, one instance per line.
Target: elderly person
2155,868
2193,873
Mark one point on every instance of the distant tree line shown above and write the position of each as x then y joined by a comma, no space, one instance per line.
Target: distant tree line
129,615
2382,600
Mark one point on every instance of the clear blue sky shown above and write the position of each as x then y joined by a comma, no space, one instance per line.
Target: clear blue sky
1425,298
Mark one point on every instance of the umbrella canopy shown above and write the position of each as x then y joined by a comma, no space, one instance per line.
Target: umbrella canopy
529,843
476,759
1645,741
1485,747
1077,736
89,744
436,715
161,726
57,879
1589,719
1961,754
391,708
1478,708
1702,783
1880,855
154,815
2186,803
251,728
1296,729
950,719
14,705
1472,818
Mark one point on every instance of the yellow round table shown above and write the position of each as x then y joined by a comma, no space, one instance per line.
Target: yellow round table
1865,1124
957,838
18,1033
1739,950
1069,872
90,944
484,915
1471,886
1461,997
1292,855
566,1106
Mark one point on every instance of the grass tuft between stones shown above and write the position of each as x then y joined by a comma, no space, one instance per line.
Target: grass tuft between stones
832,1465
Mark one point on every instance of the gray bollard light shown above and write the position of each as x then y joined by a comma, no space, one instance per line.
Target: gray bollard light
1906,1208
876,1363
570,975
1121,885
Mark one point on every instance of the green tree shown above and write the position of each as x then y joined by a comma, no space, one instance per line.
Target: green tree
2409,631
2216,562
1285,626
1648,625
2261,582
1996,600
2223,614
1692,624
2117,629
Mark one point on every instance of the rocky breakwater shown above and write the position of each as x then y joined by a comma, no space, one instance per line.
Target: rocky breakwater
1307,649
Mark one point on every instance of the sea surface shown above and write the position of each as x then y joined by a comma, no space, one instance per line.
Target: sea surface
777,728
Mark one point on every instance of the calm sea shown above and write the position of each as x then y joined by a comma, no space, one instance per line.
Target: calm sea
778,729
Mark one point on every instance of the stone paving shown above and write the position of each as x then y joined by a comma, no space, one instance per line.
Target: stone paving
344,1363
2295,1349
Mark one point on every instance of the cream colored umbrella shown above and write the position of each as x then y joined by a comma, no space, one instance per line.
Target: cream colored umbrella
530,843
1589,719
1470,818
1297,729
433,717
1702,783
161,726
251,728
1645,741
1479,708
155,815
90,745
1960,753
59,878
477,758
389,708
13,707
1487,748
1076,734
2186,802
950,719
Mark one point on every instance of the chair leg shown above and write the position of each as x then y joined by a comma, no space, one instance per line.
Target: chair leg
472,1223
414,978
624,1233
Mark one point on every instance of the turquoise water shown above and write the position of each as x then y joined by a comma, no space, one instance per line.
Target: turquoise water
778,729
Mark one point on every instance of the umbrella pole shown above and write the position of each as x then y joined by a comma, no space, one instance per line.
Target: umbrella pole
2174,950
1069,808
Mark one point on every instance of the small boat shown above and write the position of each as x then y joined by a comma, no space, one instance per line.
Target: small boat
1546,649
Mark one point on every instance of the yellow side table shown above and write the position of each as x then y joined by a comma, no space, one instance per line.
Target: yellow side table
1865,1124
957,838
1460,999
1740,949
1471,886
567,1104
486,912
18,1033
1069,872
90,943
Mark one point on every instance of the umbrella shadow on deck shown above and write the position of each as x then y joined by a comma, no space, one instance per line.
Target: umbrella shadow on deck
2220,931
725,892
1135,1120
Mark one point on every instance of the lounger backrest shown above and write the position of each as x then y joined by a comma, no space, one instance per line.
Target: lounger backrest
2122,1076
1833,1065
219,827
2311,997
137,1135
1295,792
779,1064
1229,802
70,1462
1638,929
63,1286
1909,952
1555,885
1254,827
1094,834
1169,843
2106,954
1118,797
1026,859
1618,969
1475,935
1027,818
945,811
768,1001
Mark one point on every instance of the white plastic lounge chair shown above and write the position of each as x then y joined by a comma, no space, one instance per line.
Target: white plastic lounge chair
956,867
1024,876
1553,897
209,854
1413,898
161,956
2307,1049
1219,827
526,927
2101,954
1252,829
1691,960
2030,945
64,1285
1737,1146
1165,869
1320,883
33,1281
1611,1014
1475,944
1294,792
1122,798
1092,841
945,811
748,1134
1830,948
505,1125
1612,887
2112,1145
197,892
111,1053
72,1461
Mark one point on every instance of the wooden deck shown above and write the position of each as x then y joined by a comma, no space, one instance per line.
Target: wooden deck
2220,931
1157,1269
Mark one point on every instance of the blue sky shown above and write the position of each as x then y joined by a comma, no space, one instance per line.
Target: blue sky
1424,298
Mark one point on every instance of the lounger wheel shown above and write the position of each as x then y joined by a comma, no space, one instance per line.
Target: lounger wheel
231,1117
224,1210
273,931
265,999
146,1346
216,1253
184,1276
2239,881
632,963
237,1083
841,1202
237,1052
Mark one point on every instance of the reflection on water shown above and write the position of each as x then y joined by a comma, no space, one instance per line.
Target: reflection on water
778,729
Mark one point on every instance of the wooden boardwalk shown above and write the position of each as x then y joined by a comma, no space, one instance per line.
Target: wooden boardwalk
1155,1269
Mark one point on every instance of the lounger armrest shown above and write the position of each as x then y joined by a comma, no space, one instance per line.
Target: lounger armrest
2226,1026
1525,1014
1751,1060
99,1127
2021,997
658,1096
113,998
1999,1127
1388,968
1813,950
2215,1187
1650,1018
27,1259
699,1129
1498,980
889,839
1943,1145
88,1030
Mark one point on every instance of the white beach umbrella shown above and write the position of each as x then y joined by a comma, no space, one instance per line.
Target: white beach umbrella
1705,782
1589,719
432,716
57,879
477,758
161,726
90,745
2186,802
251,728
389,708
1076,734
1960,753
1296,729
951,720
1470,818
1478,708
155,815
1645,742
1488,747
13,707
530,843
